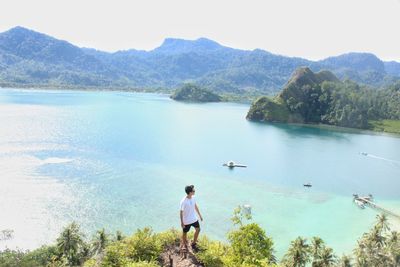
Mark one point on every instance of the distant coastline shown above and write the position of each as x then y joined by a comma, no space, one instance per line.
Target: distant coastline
84,88
226,97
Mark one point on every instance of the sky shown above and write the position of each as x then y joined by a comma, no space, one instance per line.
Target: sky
312,29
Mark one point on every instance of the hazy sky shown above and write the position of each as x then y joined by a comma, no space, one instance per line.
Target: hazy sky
313,29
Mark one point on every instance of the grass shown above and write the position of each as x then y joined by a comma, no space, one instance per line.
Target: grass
388,126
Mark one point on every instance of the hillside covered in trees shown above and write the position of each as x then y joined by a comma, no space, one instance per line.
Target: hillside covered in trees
194,93
29,58
321,97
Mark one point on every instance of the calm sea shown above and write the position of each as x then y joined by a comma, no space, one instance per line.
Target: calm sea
121,161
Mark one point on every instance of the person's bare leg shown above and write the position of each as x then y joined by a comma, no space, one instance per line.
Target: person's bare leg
196,234
184,239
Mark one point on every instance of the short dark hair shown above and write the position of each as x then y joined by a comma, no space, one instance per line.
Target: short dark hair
189,189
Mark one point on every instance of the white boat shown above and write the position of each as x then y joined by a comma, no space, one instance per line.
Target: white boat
359,203
232,164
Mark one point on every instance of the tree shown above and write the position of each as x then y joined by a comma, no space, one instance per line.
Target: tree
250,245
382,223
240,213
379,247
100,241
322,256
71,245
345,261
392,249
298,254
119,236
326,258
317,244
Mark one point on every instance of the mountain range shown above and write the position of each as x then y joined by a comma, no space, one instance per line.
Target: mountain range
30,58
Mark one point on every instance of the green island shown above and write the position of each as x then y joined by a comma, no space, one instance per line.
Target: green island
247,245
321,98
194,93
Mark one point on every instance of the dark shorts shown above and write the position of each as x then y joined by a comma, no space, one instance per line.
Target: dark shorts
187,227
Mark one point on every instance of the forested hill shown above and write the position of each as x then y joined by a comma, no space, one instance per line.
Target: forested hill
29,58
310,97
193,93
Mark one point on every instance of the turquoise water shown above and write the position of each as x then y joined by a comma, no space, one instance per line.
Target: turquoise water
121,161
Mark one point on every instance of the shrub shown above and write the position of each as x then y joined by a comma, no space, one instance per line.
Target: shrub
115,254
38,257
91,263
250,245
168,238
143,245
211,253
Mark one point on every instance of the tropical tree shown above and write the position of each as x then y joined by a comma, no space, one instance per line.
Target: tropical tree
119,236
298,254
382,223
322,256
379,247
100,241
344,261
71,246
317,244
326,258
392,249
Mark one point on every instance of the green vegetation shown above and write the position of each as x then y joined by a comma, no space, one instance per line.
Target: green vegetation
32,59
194,93
248,246
389,126
267,109
143,246
320,97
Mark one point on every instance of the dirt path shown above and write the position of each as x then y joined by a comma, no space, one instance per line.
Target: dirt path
172,257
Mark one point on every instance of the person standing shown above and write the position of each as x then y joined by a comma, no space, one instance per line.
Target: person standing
188,214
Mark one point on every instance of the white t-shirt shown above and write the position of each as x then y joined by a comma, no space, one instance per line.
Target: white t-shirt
189,213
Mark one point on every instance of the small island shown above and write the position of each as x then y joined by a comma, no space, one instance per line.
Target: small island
193,93
321,98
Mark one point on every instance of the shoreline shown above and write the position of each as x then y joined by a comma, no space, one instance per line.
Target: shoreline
334,128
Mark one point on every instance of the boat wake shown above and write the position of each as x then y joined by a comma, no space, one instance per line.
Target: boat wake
396,162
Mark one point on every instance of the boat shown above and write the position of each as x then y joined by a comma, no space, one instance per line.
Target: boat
364,153
359,203
231,164
362,201
307,185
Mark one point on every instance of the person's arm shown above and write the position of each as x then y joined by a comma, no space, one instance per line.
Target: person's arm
181,215
198,211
